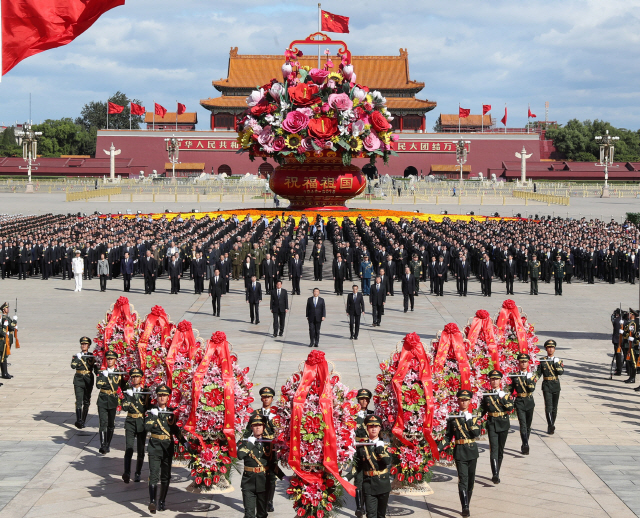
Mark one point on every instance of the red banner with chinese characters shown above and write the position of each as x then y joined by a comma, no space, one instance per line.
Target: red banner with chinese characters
451,337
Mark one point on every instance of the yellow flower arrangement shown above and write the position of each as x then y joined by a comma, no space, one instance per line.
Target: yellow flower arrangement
355,144
293,141
336,77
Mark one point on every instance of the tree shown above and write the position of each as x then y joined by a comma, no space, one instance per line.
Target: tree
94,114
64,137
8,146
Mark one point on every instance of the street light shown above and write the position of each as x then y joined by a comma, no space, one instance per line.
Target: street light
27,138
173,148
461,155
606,158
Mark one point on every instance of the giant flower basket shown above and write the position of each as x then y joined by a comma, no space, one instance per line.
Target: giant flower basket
315,436
153,346
313,123
456,366
119,332
221,406
515,334
404,400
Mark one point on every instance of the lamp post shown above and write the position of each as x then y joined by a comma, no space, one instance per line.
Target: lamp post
28,139
173,149
606,157
461,155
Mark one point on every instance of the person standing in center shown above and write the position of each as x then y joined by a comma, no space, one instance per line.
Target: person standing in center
339,271
77,267
270,271
558,274
549,369
279,305
523,383
408,288
216,289
103,272
486,274
316,313
126,267
440,273
175,272
295,273
511,269
136,404
355,309
254,297
149,269
319,259
108,382
377,299
366,269
534,274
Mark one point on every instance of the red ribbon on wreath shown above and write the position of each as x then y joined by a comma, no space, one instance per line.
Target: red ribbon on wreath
412,348
316,371
510,311
121,309
482,322
183,342
218,352
452,337
156,317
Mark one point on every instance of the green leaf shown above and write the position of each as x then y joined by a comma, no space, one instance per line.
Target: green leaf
346,158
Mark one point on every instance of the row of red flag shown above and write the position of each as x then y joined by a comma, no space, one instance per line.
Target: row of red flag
463,113
136,109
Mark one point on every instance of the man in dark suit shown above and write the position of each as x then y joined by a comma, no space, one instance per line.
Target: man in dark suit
216,290
339,272
464,272
347,257
248,270
224,267
295,273
319,259
377,298
175,272
486,275
270,270
127,270
198,267
389,271
316,313
149,268
511,270
433,277
440,272
355,309
254,297
279,307
408,288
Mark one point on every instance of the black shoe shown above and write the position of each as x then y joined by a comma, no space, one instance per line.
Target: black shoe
102,440
310,345
495,471
139,463
464,501
630,380
525,444
78,422
164,488
126,476
280,333
355,337
275,335
270,508
316,345
85,412
257,322
550,427
108,438
351,337
153,491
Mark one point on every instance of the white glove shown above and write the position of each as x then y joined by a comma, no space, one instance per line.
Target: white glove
501,393
270,416
556,360
528,375
361,414
621,322
154,411
15,318
105,373
379,443
621,331
6,323
79,355
129,392
468,415
252,439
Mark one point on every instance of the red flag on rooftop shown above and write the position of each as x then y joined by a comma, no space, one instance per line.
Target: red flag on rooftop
33,26
334,22
181,109
504,119
136,109
486,108
531,114
114,108
160,110
463,113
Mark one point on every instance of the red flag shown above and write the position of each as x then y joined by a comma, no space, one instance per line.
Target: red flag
181,109
114,108
136,109
486,108
504,119
531,114
33,26
334,22
463,113
160,110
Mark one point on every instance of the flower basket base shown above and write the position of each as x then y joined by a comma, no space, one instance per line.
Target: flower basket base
220,488
415,489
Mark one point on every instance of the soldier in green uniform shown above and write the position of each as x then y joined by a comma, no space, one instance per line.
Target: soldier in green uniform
160,423
558,274
136,404
259,461
257,256
523,384
366,269
462,431
416,269
364,397
630,343
534,274
8,327
497,409
373,462
236,261
84,363
549,370
108,382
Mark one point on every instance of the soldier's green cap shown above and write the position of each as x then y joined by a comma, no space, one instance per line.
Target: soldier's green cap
364,393
550,343
495,375
111,354
135,372
523,357
163,390
4,305
85,340
372,420
256,419
267,391
464,394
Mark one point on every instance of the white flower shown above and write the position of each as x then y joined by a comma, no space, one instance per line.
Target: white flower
359,93
377,98
276,91
347,72
255,97
286,70
357,128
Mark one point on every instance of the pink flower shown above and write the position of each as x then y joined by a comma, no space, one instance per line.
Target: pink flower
255,97
318,75
359,93
266,137
340,102
307,111
278,144
276,90
307,144
286,71
347,72
295,121
371,142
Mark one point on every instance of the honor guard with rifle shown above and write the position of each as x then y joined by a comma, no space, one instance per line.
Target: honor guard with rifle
364,397
8,328
109,381
523,384
617,321
496,406
549,370
136,403
630,344
84,363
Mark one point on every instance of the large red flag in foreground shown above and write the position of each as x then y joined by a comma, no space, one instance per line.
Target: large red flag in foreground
334,22
33,26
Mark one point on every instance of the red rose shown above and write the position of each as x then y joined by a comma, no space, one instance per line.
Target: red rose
304,94
312,425
323,127
411,396
379,122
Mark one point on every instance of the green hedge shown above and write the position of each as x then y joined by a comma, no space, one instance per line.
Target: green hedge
634,217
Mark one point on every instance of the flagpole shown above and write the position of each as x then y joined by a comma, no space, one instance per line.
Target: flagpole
176,114
505,119
129,116
458,117
154,115
528,118
107,113
482,119
319,30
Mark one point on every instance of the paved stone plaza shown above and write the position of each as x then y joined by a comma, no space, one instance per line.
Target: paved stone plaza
48,468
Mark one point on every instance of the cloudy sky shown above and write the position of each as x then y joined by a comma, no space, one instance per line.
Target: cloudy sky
580,56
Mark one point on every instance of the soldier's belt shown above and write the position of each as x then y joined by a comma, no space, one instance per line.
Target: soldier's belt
376,473
550,378
82,372
108,392
258,469
362,439
160,437
465,441
523,394
135,416
497,414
